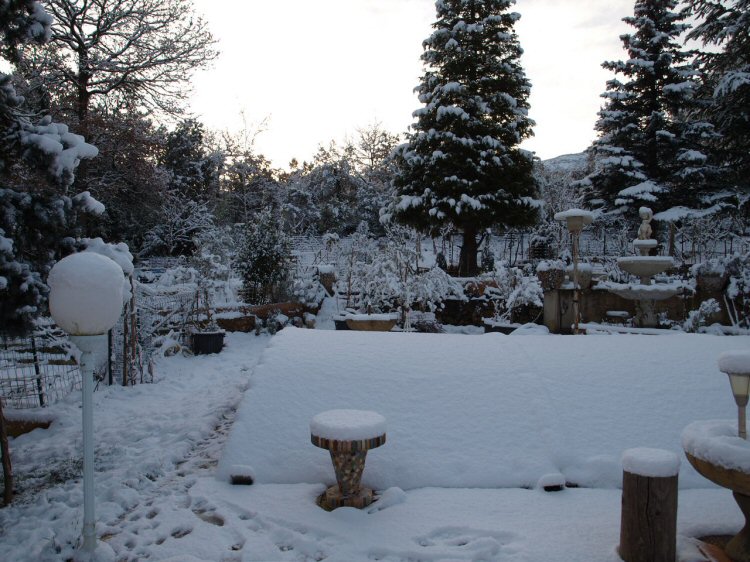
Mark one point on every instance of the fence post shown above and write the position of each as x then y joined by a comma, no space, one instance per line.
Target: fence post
5,453
110,341
37,372
125,346
648,524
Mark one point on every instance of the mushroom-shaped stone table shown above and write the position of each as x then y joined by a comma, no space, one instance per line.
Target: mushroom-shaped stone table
347,435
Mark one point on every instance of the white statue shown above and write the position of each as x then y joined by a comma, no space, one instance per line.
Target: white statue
644,231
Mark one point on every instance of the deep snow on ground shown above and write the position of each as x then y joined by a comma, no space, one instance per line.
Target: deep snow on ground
159,497
480,411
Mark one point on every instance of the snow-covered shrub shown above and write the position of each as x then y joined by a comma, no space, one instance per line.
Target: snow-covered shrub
738,290
487,263
214,254
428,290
716,266
183,221
181,277
380,283
307,288
331,247
264,260
517,292
698,318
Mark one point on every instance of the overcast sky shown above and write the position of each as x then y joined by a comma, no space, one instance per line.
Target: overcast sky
319,69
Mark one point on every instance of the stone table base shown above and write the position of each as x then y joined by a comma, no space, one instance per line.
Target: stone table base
332,498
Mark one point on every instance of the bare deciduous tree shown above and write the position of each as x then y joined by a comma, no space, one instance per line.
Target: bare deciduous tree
143,50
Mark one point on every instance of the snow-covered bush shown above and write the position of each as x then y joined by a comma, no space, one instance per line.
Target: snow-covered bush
426,291
214,254
183,221
264,260
698,318
307,288
516,291
738,290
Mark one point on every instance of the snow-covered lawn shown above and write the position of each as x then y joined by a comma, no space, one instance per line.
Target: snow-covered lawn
511,410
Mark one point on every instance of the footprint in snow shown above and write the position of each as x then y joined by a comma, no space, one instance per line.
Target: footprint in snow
179,532
473,543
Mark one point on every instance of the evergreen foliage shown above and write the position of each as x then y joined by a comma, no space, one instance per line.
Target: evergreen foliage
650,150
193,168
38,158
461,165
263,260
727,80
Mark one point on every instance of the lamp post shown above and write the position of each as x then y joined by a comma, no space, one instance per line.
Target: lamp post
736,364
575,220
85,300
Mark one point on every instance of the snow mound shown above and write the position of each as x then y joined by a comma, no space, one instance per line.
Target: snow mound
480,411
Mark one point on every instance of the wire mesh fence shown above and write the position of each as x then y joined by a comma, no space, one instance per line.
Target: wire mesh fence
37,370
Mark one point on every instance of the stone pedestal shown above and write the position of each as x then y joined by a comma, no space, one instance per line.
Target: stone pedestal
348,458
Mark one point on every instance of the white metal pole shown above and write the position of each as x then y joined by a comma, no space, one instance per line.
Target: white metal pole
88,346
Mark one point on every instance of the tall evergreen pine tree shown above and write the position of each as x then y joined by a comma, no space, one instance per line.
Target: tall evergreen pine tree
650,152
727,73
461,165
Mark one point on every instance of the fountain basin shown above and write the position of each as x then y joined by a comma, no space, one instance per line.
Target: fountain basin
638,291
645,266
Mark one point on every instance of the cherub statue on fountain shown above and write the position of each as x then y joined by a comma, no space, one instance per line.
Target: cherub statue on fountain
644,231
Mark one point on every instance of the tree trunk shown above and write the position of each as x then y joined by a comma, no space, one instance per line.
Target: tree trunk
467,264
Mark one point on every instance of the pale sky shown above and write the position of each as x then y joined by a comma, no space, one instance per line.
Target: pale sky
319,69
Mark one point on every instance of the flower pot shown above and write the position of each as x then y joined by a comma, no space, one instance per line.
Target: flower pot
207,342
551,279
711,282
371,322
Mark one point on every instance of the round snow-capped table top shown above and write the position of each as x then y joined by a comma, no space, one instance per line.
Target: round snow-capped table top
654,463
348,429
735,362
587,216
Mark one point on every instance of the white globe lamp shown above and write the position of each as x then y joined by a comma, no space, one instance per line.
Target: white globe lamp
85,300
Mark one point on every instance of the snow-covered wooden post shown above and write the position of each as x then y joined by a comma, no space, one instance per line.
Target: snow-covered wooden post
348,435
648,522
86,301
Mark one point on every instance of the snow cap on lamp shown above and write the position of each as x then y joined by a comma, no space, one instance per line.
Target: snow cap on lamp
85,293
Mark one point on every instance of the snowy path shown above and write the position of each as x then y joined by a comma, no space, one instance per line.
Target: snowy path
153,441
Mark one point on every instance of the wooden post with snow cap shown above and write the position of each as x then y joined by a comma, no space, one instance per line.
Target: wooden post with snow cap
648,523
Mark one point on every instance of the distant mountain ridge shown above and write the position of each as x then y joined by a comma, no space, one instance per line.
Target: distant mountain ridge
568,163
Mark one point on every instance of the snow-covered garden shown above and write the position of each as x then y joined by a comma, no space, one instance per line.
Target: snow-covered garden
428,346
477,426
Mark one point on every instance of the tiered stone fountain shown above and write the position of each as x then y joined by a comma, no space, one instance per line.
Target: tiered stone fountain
645,293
